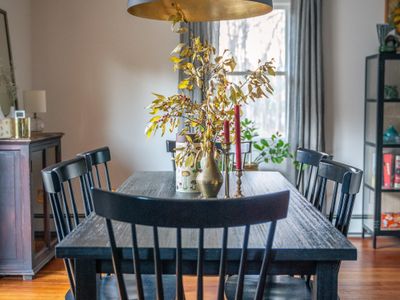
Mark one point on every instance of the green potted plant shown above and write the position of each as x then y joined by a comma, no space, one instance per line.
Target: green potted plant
273,150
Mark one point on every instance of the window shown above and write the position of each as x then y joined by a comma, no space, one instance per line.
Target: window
261,38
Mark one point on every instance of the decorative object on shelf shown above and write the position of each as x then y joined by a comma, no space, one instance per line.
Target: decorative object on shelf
11,114
186,173
392,17
22,128
207,10
209,180
226,147
35,102
390,135
8,88
391,92
392,14
390,221
396,183
387,170
388,42
5,128
204,118
19,114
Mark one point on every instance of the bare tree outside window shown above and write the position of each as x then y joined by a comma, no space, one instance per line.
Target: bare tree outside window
261,38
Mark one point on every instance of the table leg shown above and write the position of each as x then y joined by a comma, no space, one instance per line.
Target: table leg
326,281
85,279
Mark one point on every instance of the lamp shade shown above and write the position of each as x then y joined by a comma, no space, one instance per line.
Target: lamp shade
35,101
200,10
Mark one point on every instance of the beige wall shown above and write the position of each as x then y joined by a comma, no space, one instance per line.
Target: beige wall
99,66
350,35
19,22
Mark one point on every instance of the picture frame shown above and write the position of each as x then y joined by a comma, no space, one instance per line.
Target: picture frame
8,96
389,7
19,114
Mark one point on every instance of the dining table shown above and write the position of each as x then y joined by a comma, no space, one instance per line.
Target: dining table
305,242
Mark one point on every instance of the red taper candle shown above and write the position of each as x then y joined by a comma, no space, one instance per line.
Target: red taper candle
226,132
237,138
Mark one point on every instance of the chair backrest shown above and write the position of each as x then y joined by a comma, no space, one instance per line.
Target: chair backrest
308,163
194,213
171,148
348,179
58,181
96,159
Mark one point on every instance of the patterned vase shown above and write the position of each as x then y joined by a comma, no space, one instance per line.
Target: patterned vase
185,176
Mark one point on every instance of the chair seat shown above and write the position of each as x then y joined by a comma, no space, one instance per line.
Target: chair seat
107,288
277,288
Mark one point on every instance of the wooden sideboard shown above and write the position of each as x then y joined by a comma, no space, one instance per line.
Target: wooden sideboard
27,237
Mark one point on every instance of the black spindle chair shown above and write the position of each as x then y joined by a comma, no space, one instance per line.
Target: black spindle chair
342,176
194,213
96,159
308,163
171,146
60,184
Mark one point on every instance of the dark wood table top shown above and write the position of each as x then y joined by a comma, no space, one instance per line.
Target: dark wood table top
305,235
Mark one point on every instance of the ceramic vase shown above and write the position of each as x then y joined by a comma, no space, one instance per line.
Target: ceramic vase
185,175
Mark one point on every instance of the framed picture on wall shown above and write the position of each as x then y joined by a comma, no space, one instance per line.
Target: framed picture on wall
8,89
390,8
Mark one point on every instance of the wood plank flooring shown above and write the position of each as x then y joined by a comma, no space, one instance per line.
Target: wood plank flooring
375,275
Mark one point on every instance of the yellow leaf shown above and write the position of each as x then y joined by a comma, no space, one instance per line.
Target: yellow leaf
271,71
189,161
159,96
155,119
150,129
183,84
189,139
175,59
178,48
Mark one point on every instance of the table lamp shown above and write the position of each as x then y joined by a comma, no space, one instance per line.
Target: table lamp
35,102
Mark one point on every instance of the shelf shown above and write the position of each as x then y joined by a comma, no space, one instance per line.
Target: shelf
382,189
390,190
389,230
397,100
391,146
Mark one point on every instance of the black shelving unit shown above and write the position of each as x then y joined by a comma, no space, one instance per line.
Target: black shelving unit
381,206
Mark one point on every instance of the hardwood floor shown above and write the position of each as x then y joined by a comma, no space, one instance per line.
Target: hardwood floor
375,275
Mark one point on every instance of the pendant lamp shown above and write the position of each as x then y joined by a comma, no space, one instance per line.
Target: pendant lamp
200,10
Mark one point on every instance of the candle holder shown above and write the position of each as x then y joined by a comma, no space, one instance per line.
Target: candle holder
226,147
238,192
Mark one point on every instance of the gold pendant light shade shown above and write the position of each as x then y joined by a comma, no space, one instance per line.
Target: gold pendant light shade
200,10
